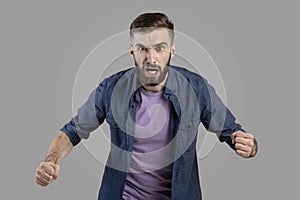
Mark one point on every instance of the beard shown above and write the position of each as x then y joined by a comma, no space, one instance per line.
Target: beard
152,81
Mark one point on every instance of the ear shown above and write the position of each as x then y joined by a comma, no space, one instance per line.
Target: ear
173,50
131,50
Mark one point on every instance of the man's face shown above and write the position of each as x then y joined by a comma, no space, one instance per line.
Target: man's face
152,52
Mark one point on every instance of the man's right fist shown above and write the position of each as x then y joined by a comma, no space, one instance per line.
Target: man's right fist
46,173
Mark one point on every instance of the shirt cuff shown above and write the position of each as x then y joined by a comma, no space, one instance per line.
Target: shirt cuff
70,130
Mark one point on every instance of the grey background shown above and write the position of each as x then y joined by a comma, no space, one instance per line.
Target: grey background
254,43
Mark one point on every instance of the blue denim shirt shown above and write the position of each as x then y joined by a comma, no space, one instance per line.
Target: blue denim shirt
116,99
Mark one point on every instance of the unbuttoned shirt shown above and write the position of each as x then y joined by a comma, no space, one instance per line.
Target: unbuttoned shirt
116,99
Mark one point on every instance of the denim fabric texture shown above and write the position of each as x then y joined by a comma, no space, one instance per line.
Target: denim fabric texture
193,102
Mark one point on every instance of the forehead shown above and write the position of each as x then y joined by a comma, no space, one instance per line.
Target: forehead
149,38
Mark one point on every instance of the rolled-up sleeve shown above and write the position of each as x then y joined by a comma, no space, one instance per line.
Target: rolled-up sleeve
89,117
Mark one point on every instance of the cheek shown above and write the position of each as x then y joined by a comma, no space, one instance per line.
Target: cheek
164,58
138,59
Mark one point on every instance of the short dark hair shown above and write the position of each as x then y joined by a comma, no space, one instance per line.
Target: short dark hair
150,21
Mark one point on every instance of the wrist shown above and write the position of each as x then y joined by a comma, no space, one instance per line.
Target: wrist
51,158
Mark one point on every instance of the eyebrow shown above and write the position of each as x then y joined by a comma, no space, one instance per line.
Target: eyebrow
159,44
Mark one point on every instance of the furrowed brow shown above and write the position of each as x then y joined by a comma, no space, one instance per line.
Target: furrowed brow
161,44
140,45
156,45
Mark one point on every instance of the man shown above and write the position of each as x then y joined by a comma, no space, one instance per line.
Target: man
154,111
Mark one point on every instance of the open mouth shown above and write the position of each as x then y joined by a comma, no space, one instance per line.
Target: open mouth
152,70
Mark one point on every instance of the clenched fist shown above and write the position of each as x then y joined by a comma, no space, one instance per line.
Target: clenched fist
46,173
244,143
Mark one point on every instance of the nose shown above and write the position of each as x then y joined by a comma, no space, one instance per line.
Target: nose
151,56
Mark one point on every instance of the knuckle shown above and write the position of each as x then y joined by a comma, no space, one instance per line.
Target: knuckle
38,171
42,164
55,176
45,165
250,136
251,143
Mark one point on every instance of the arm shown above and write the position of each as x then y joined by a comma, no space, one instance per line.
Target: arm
217,118
47,171
59,148
90,116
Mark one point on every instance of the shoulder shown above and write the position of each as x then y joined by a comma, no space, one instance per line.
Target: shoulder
193,78
111,81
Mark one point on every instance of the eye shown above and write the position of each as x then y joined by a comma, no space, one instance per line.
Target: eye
159,48
141,49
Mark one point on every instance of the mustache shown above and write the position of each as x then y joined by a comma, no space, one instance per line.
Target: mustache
148,65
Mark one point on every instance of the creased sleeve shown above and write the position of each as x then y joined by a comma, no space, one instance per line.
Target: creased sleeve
216,117
89,117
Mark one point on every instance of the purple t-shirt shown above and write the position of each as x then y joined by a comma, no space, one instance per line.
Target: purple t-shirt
150,176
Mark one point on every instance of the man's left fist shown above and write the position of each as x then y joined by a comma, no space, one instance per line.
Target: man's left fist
244,143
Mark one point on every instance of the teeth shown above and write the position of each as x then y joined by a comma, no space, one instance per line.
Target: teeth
152,72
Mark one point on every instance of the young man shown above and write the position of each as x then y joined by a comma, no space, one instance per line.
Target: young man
154,111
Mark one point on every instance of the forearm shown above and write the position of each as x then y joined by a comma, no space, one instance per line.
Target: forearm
59,148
